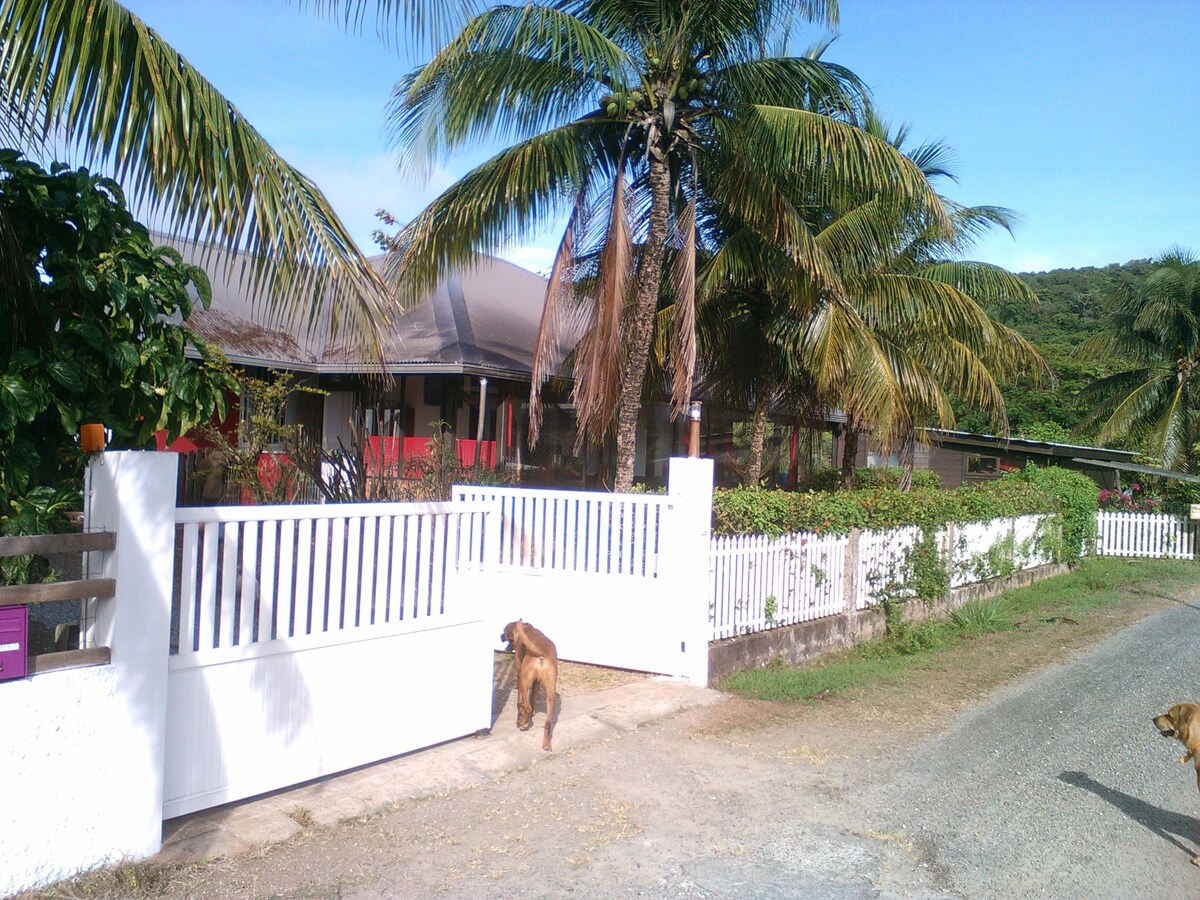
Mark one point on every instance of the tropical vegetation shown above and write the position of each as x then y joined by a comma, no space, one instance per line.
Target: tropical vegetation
90,78
88,333
1154,400
634,119
905,334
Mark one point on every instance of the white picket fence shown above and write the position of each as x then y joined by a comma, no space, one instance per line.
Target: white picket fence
760,582
882,564
1151,535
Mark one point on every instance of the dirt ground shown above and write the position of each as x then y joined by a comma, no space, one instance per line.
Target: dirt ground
701,778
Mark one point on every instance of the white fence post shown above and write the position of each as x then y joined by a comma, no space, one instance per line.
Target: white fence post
133,494
688,562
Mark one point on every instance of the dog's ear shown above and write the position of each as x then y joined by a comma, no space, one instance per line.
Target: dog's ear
1184,717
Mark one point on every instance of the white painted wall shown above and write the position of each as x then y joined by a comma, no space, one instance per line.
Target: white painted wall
83,749
339,410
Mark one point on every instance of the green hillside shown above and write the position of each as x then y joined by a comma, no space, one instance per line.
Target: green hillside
1073,307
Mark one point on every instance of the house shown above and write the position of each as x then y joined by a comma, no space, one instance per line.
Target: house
466,351
961,457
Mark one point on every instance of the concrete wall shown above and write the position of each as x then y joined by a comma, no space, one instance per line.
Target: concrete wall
82,754
800,643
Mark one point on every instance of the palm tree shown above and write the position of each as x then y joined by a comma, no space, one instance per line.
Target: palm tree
1155,328
91,76
627,114
907,332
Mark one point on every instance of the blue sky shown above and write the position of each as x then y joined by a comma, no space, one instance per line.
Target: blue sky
1081,115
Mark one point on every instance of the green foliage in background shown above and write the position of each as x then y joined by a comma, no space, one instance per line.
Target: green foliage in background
871,477
88,333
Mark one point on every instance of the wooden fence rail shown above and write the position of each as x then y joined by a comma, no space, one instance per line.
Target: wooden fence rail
55,591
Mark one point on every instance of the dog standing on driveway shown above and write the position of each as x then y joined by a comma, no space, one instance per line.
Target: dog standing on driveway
536,660
1182,722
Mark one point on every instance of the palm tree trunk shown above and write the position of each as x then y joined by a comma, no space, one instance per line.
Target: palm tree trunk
849,454
641,324
758,437
908,458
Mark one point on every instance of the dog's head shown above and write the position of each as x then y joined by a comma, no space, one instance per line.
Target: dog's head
1178,721
509,634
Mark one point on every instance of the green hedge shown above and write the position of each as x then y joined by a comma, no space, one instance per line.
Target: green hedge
870,477
1071,495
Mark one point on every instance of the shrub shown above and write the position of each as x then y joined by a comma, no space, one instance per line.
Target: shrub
771,512
1078,498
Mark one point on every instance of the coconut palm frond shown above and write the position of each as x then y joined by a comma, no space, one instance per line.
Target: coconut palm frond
499,201
90,73
1138,405
683,301
415,21
986,283
510,74
787,140
551,344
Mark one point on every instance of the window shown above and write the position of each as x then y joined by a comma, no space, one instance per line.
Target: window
982,465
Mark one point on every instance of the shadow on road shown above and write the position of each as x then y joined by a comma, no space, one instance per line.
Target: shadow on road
1166,824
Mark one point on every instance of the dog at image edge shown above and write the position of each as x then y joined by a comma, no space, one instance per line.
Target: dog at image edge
536,660
1182,722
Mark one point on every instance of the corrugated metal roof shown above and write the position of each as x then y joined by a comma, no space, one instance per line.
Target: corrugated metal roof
1047,448
1142,470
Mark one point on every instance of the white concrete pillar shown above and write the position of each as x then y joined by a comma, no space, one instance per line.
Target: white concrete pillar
133,494
687,560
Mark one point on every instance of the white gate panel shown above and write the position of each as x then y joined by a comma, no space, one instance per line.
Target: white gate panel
272,715
305,637
597,619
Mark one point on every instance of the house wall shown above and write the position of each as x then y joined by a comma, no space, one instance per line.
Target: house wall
949,465
339,411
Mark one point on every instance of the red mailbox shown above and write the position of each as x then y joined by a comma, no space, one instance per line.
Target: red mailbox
14,641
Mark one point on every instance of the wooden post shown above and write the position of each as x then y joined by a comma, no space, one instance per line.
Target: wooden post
850,581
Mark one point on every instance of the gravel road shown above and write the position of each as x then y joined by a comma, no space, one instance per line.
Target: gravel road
1059,786
1056,786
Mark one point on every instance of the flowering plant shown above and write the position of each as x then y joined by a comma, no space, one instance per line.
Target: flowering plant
1131,499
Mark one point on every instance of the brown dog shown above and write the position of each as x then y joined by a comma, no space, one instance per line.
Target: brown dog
1182,722
536,662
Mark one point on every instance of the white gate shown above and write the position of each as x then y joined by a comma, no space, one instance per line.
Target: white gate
303,638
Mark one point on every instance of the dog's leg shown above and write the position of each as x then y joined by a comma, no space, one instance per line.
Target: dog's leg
526,688
550,682
1196,859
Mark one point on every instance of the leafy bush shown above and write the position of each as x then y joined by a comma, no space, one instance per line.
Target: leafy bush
770,512
1078,499
1070,495
89,332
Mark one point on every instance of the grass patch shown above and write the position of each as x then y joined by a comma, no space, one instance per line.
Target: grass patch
1062,601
